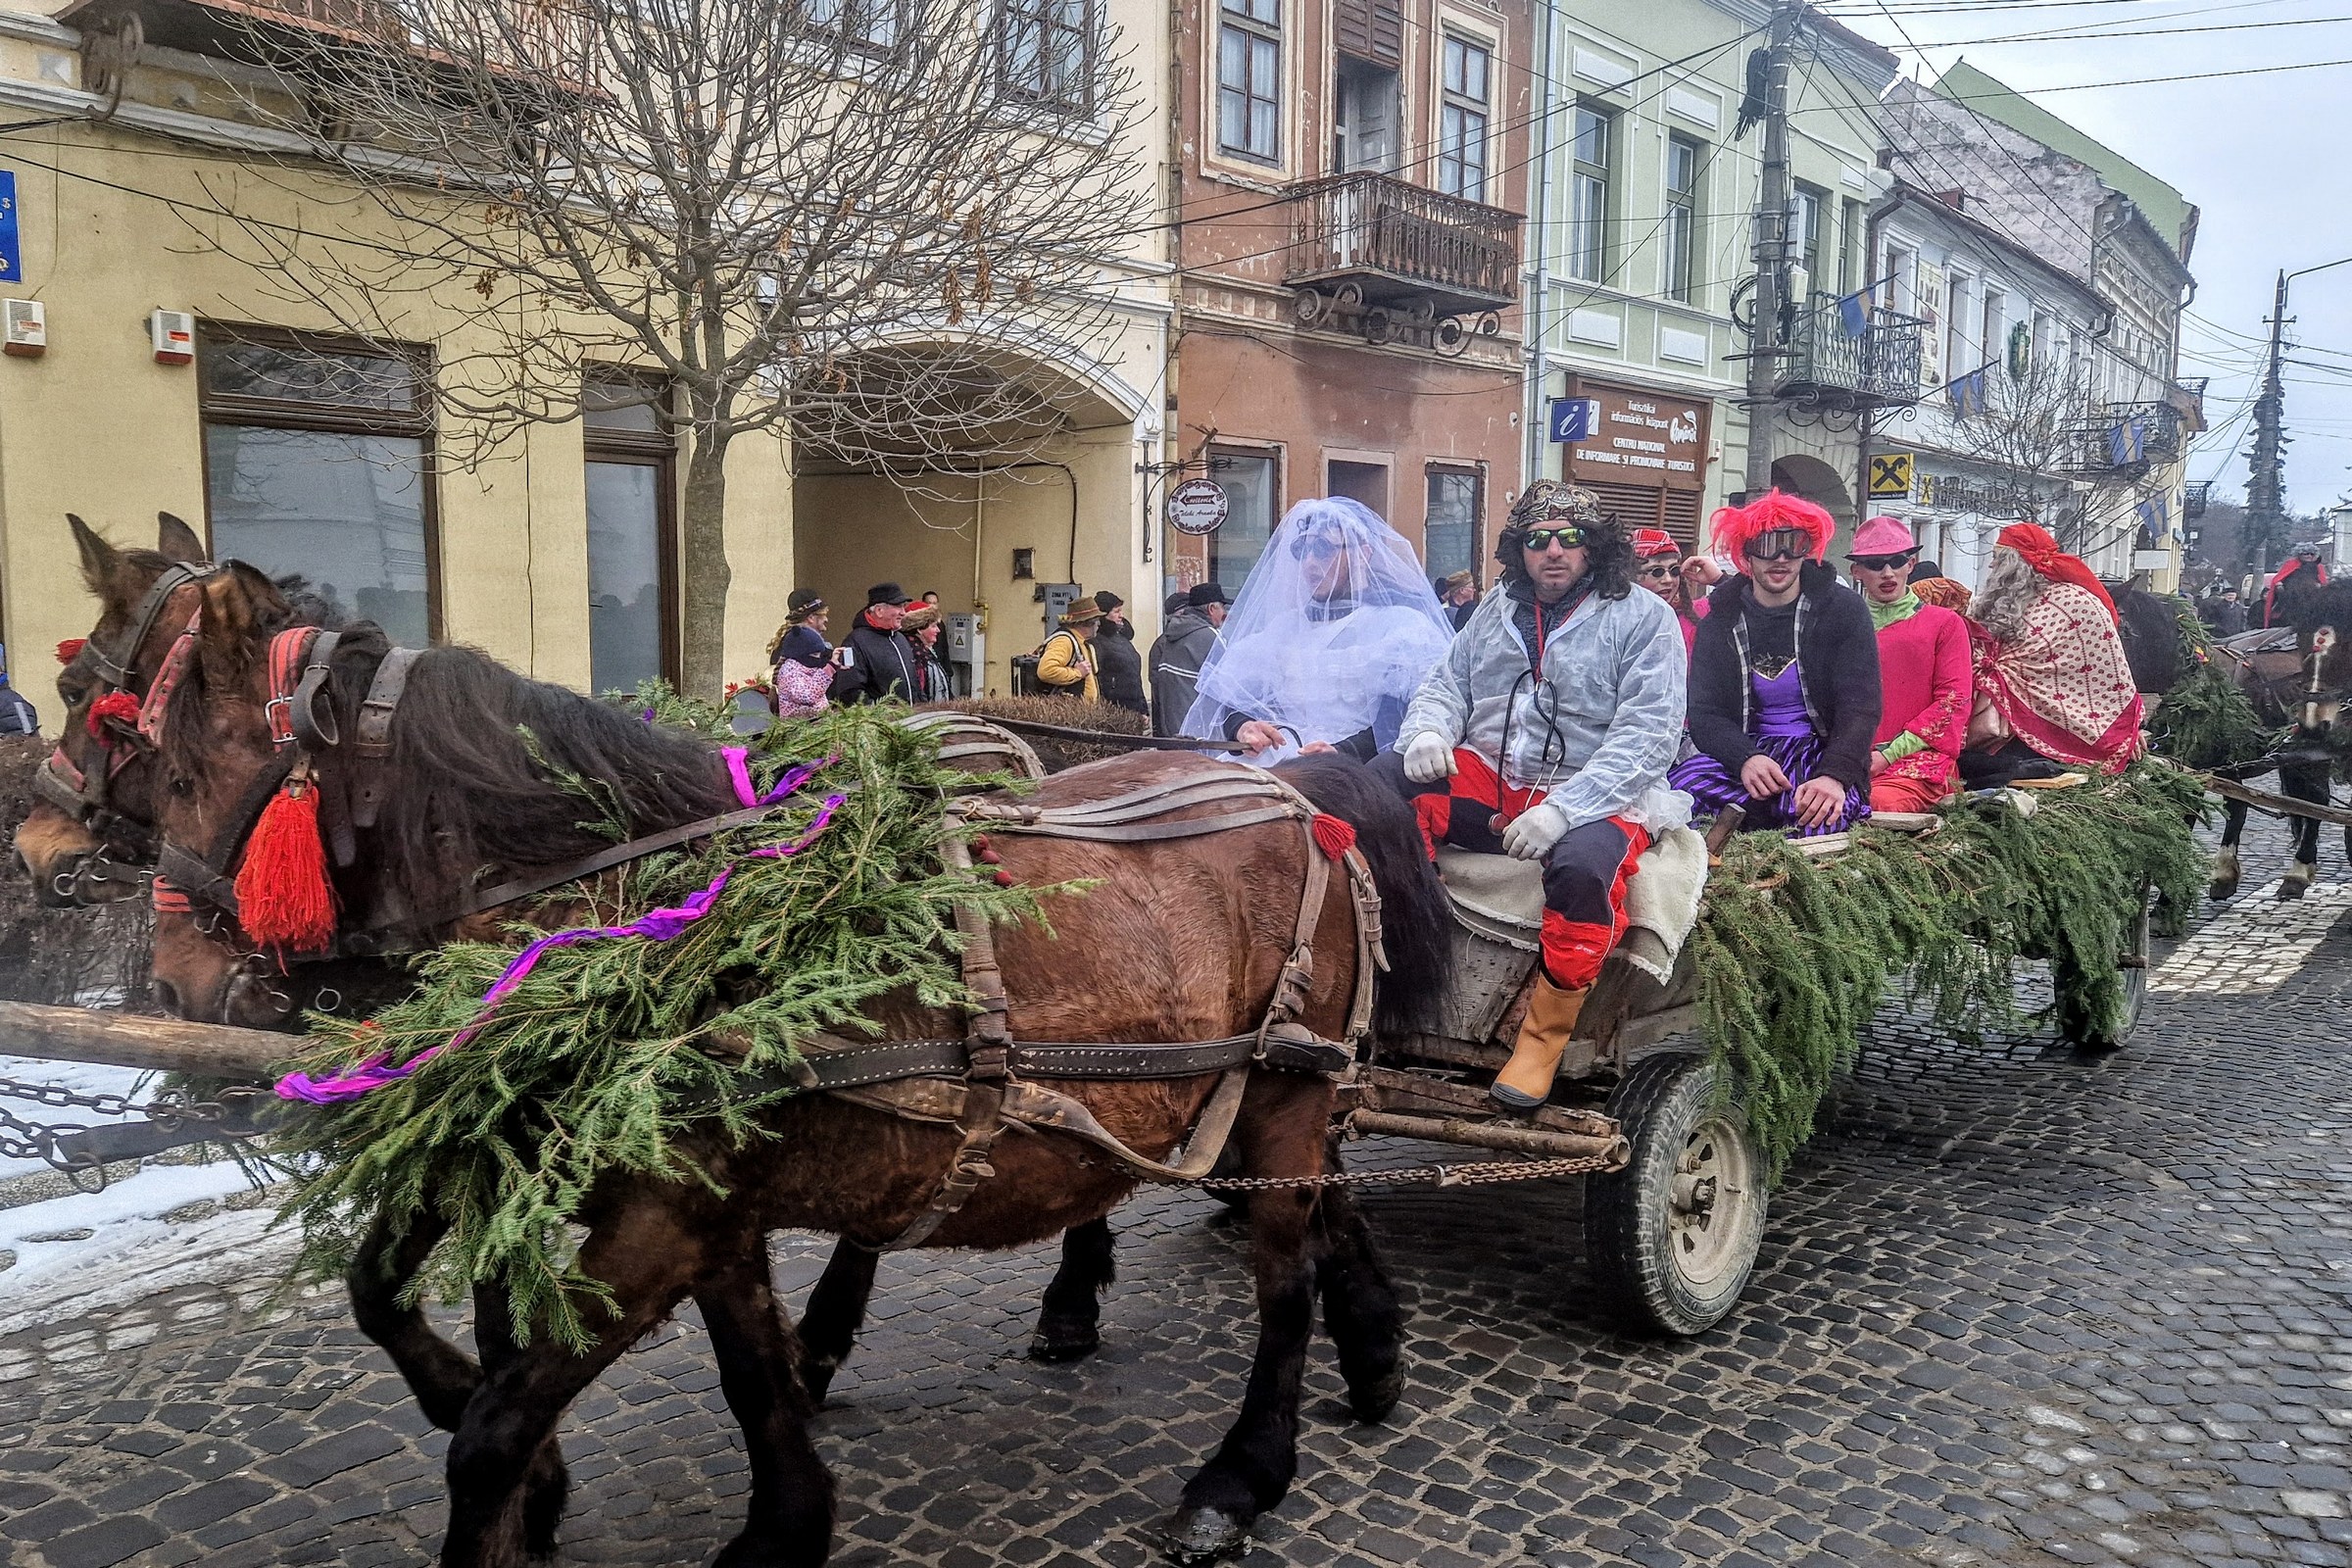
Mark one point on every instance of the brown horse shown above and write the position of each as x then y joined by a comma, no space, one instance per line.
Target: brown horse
2298,679
93,842
1177,944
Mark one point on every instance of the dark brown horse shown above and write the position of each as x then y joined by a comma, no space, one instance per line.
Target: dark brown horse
2296,678
1175,945
91,840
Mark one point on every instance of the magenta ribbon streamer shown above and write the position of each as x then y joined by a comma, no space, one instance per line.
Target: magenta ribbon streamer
657,925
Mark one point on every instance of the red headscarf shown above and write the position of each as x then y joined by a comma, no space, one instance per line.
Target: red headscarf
2270,590
1654,542
1770,512
2033,542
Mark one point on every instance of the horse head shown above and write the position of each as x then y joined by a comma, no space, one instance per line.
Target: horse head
2324,644
87,837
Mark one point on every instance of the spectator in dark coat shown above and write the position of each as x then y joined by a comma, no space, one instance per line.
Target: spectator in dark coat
878,659
16,716
1184,642
932,681
1119,663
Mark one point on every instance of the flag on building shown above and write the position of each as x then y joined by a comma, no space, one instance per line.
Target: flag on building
1972,393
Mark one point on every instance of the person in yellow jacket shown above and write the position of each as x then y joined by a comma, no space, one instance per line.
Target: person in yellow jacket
1065,666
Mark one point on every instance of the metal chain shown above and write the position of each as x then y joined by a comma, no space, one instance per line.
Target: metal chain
1472,1175
29,1140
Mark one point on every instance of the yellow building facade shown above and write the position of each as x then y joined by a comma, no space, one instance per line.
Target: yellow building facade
552,546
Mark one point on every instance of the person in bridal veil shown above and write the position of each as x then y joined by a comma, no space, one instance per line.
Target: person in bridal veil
1333,632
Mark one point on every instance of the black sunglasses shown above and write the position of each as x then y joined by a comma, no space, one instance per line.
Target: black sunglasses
1883,562
1658,568
1569,538
1314,545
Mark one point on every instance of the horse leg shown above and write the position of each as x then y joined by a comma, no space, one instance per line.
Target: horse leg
513,1416
1068,1323
2303,783
1360,1310
2226,870
789,1523
441,1376
835,1313
1254,1466
547,1484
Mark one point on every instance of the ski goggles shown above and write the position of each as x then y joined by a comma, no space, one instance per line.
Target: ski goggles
1782,544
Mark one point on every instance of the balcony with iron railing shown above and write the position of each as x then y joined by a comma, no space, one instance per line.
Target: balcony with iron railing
1371,247
2127,440
1851,356
2189,396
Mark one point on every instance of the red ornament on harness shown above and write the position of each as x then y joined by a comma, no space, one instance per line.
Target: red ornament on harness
115,706
71,649
285,899
1333,836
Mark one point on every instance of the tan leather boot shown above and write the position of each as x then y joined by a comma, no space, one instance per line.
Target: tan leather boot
1525,1081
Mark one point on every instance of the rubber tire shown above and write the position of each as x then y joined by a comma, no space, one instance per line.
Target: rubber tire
2077,1030
1628,1232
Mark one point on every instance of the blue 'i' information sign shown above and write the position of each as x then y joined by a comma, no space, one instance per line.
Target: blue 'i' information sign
11,266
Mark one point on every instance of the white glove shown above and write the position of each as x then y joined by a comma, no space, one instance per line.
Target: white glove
1428,757
1534,831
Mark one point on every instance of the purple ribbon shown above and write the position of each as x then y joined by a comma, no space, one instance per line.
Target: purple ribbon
656,925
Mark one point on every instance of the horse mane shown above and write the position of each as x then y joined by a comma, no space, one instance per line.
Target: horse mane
2151,624
489,767
1416,924
2330,605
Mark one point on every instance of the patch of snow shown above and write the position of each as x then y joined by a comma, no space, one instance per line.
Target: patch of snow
131,1261
125,1216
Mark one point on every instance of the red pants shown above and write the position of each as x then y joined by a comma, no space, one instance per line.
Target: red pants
1584,874
1892,792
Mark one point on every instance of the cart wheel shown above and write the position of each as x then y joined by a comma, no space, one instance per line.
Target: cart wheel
1672,1238
2075,1022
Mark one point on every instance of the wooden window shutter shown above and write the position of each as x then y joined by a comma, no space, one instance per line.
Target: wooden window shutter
1371,30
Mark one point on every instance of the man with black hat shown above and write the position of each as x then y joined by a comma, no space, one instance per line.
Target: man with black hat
1185,639
1119,665
877,660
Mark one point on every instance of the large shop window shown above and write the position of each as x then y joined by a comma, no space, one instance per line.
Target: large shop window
1250,486
632,599
1449,533
317,461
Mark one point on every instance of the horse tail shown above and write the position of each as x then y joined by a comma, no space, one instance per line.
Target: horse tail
1416,924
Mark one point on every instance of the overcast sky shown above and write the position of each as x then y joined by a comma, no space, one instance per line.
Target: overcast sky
2264,156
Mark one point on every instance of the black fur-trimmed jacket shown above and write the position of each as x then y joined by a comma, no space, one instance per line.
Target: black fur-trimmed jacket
1837,667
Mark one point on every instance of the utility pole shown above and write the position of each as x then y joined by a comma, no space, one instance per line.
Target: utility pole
2265,485
1771,250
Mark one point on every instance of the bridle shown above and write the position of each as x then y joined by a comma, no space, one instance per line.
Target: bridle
87,796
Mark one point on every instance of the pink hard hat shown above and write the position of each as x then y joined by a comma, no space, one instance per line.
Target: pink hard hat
1883,536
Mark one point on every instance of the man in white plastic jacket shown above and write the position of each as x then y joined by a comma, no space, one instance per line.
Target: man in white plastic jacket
1545,734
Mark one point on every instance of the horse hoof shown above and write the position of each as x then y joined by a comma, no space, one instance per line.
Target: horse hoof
1197,1537
1374,1401
2222,891
1054,1345
2296,882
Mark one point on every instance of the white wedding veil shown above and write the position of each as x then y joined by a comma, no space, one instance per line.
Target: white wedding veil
1333,632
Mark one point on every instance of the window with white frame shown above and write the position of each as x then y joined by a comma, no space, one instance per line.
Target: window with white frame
1958,353
1806,232
1588,150
1250,80
1680,238
1902,275
1462,119
1995,337
1046,54
862,25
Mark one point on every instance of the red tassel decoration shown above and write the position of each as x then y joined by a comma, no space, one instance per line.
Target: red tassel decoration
114,705
1333,836
284,899
69,650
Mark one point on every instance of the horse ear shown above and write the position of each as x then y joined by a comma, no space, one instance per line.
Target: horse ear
100,563
176,541
238,601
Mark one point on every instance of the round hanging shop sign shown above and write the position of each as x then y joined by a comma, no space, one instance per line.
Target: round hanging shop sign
1198,506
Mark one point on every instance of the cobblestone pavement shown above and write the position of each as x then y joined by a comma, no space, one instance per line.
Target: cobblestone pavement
2017,1306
